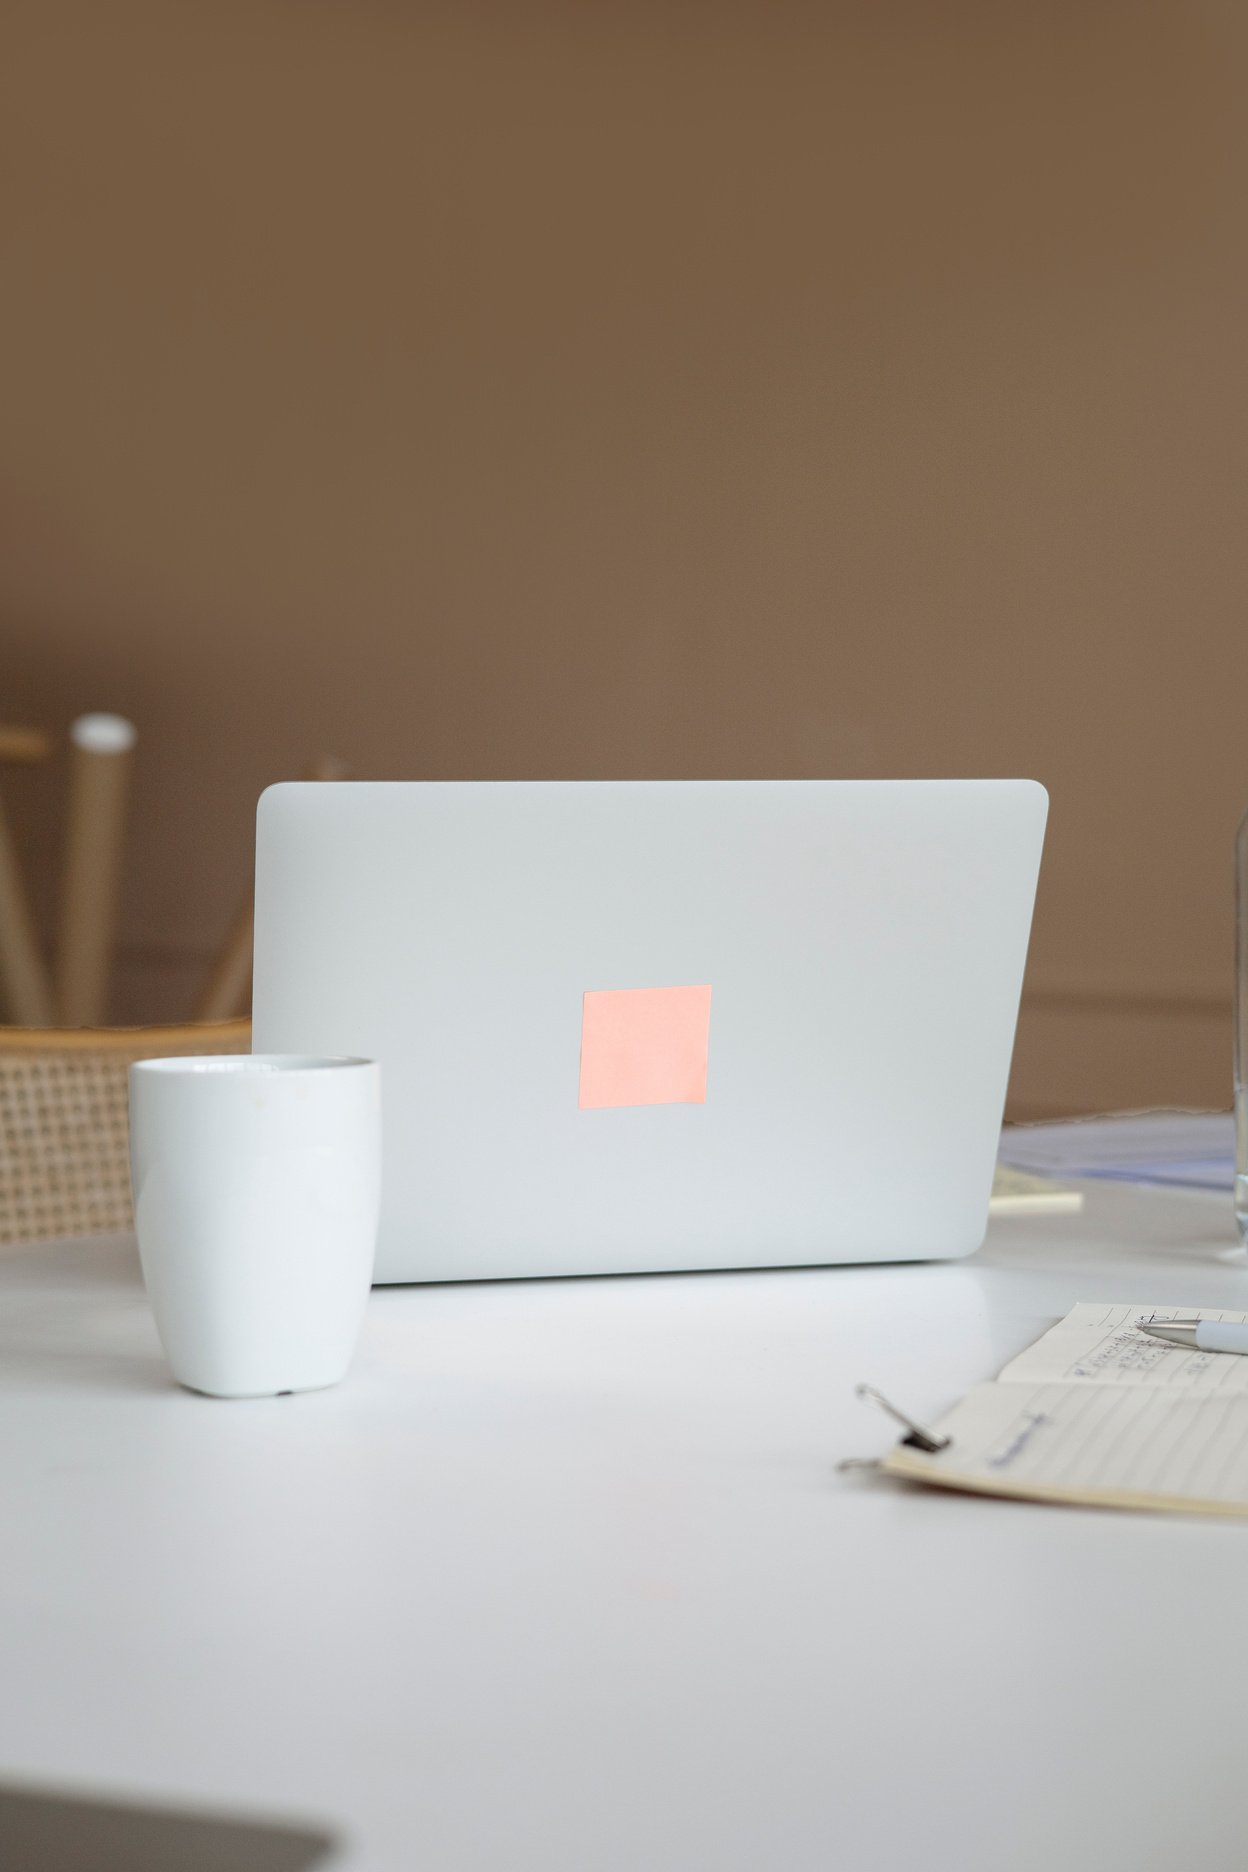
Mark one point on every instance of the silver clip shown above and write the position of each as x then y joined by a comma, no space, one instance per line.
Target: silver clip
916,1436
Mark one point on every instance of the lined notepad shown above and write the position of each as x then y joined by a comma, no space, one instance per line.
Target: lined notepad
1098,1413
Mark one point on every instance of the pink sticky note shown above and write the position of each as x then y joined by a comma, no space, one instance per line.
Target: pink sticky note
644,1046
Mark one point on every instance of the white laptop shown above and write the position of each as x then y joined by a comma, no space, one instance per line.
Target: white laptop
631,1026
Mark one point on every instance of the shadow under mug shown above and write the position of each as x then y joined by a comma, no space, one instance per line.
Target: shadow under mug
257,1190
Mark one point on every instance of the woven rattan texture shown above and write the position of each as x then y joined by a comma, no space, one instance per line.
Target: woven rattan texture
64,1139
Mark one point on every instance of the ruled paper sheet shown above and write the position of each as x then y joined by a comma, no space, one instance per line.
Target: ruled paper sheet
1098,1344
1106,1445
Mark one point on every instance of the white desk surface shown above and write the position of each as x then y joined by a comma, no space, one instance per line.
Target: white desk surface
564,1578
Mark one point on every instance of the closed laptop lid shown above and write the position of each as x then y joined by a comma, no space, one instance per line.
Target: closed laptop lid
630,1026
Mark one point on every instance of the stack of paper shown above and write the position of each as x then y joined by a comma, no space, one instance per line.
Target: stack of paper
1186,1150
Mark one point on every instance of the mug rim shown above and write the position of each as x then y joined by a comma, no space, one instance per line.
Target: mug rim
239,1065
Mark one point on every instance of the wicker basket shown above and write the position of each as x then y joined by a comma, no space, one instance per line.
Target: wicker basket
64,1131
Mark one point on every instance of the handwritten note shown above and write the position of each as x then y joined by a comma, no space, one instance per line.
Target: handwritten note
1099,1345
1096,1413
1112,1446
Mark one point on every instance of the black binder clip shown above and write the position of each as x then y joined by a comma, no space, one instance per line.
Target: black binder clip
916,1436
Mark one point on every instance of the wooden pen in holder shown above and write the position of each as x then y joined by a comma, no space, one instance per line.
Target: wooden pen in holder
100,759
226,992
24,977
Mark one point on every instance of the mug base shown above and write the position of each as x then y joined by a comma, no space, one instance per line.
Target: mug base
260,1391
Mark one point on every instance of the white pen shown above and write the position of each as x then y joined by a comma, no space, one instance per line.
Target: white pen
1199,1335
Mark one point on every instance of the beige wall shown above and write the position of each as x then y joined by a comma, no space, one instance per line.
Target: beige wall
646,389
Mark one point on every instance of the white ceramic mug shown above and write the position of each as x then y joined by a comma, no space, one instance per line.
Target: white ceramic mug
257,1187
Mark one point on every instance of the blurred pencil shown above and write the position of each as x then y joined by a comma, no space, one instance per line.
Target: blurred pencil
101,751
227,989
27,987
224,994
23,972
